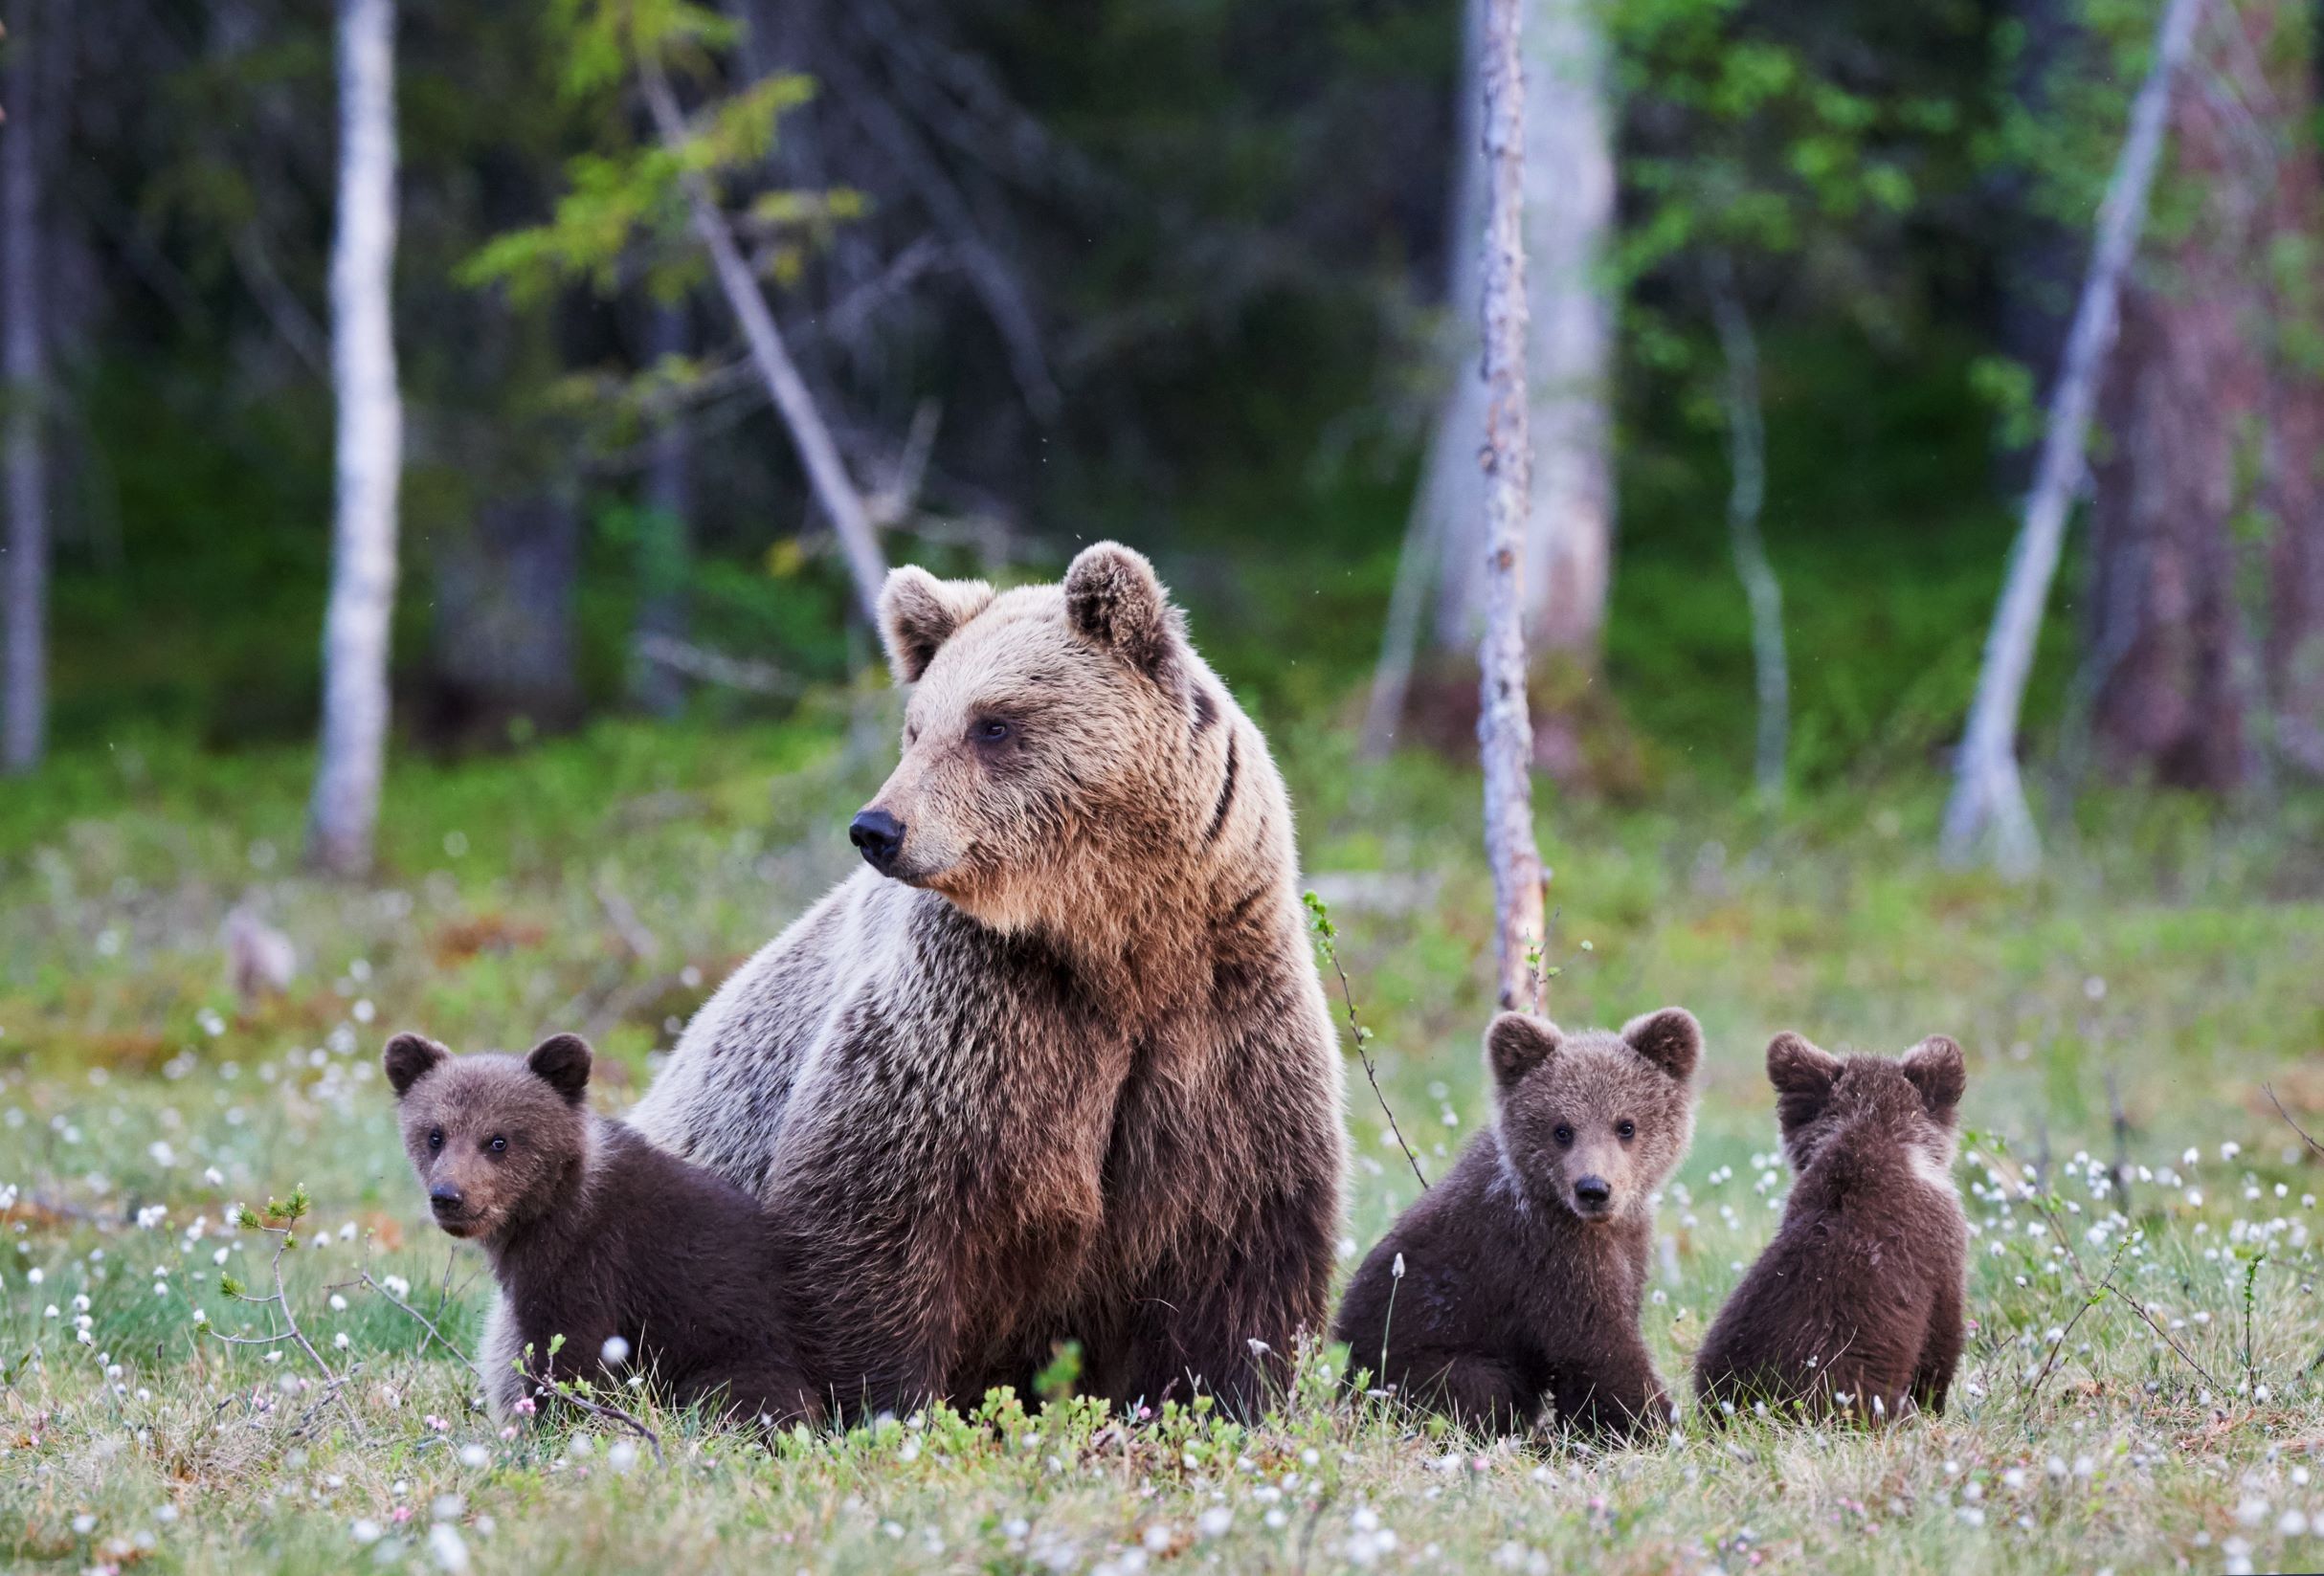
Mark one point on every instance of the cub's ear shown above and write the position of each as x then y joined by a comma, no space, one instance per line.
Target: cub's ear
1939,1072
1671,1040
1802,1076
1114,599
562,1062
918,613
407,1059
1515,1043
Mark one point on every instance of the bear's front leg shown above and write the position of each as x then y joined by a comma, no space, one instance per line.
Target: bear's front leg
1227,1317
1614,1394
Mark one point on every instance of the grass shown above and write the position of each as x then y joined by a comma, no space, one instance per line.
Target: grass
607,883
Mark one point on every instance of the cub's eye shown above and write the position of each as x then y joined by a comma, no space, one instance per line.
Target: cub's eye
499,1144
1564,1136
990,730
435,1137
1625,1130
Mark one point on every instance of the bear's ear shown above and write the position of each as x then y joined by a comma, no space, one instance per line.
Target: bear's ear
1802,1076
562,1062
1114,600
1671,1040
1515,1043
409,1056
918,613
1939,1072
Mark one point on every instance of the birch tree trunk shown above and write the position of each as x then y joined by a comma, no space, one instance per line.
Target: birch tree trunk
1747,496
345,809
1504,728
24,688
826,471
1988,796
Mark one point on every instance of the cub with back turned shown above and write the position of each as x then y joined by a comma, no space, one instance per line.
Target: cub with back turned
1856,1305
635,1257
1513,1284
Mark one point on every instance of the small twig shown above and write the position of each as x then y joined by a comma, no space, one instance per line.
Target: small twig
605,1409
2184,1356
425,1323
287,1217
1320,921
2090,1299
2312,1143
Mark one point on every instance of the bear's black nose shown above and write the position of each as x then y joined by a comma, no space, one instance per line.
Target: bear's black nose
445,1199
1592,1192
881,837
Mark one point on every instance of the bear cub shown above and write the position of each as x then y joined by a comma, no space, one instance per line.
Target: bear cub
1856,1305
1515,1281
639,1259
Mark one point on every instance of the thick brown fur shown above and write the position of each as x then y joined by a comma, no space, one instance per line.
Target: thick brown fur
1523,1269
593,1233
1067,1072
1860,1295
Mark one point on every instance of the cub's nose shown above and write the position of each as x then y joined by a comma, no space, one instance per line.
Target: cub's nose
881,837
445,1199
1593,1192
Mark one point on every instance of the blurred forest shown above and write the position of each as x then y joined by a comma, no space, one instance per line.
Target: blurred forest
1199,275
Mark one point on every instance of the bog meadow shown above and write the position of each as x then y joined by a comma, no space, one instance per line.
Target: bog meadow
450,451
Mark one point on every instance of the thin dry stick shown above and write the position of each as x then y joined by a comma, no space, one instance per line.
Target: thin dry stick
1325,932
1504,725
2312,1143
2184,1356
2089,1299
425,1323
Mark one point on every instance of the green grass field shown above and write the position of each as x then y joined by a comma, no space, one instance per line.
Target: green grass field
606,883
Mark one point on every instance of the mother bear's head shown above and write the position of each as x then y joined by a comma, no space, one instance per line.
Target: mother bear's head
1061,745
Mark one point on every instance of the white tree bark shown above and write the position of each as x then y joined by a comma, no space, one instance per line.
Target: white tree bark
1568,173
1746,497
1988,796
826,471
1505,727
345,809
24,688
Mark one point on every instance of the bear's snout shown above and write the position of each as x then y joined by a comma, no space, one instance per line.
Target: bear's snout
880,837
1592,1194
448,1203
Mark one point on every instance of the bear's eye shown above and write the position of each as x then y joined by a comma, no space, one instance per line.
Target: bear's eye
1564,1136
499,1144
435,1137
1625,1130
988,730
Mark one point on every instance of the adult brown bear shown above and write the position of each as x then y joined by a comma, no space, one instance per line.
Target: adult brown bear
1057,1066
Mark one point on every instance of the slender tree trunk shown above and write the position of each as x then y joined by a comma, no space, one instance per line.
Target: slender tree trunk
346,809
1504,729
1747,496
664,531
826,471
1988,795
24,688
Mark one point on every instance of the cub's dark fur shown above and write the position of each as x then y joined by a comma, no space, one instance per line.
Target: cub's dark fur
1523,1269
594,1234
1860,1295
